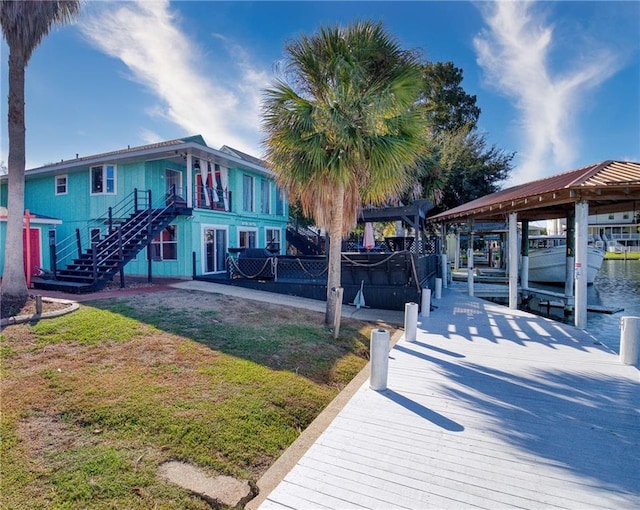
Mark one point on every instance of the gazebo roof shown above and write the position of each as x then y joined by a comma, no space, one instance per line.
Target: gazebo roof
608,187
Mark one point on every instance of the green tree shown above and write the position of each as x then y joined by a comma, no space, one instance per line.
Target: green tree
343,127
460,166
24,25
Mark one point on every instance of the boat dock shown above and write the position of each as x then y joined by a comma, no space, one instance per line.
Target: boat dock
488,408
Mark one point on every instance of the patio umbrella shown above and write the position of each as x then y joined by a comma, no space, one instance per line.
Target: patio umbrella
369,241
358,301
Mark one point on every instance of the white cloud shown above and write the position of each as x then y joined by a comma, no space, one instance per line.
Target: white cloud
148,39
514,51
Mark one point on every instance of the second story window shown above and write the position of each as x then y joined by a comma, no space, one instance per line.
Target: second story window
61,184
103,179
265,197
247,193
279,202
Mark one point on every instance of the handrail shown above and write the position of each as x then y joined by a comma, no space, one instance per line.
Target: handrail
109,224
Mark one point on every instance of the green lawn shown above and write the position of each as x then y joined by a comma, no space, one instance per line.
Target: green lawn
94,401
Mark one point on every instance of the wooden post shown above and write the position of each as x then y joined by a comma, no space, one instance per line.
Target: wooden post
338,312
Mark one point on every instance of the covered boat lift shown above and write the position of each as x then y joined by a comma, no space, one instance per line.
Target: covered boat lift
607,187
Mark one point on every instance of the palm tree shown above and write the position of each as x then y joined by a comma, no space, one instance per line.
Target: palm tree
24,25
344,127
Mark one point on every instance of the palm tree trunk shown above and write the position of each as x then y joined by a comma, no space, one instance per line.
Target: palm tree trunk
14,285
335,255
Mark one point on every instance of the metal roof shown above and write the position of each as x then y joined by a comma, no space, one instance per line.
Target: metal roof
608,187
173,150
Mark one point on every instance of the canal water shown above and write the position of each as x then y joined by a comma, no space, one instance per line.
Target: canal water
616,287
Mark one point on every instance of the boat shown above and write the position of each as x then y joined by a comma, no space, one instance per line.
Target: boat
548,259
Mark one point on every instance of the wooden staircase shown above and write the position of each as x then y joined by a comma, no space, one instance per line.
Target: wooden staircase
122,241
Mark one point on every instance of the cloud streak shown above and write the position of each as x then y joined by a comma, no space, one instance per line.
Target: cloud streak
515,52
148,39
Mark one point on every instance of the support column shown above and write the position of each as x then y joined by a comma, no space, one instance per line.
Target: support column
582,234
571,254
189,180
524,252
470,282
513,261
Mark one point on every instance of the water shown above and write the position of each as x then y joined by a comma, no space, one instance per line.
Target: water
617,285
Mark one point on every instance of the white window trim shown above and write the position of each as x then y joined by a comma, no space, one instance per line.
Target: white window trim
203,249
66,185
246,229
161,244
115,179
276,229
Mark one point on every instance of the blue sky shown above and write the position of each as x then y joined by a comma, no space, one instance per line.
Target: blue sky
558,82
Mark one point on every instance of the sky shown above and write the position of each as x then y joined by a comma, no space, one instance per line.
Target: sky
558,83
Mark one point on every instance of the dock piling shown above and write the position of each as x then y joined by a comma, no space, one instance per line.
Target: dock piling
410,321
629,340
379,359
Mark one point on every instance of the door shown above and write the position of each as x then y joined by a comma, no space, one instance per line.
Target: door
34,250
215,249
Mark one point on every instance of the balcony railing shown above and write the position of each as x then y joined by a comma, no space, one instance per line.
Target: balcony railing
214,199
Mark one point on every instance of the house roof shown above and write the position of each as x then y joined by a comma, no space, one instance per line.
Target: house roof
608,186
175,150
242,155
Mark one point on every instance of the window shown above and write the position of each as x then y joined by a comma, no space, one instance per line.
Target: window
247,193
625,216
61,184
246,238
165,245
265,195
611,216
279,202
103,179
272,236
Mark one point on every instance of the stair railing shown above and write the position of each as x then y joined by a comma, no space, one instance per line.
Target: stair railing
72,246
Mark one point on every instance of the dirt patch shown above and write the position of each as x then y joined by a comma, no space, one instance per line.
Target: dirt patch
16,308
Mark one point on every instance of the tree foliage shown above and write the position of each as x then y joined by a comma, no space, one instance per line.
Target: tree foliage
343,127
460,167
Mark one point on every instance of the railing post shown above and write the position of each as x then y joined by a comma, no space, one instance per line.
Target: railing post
79,242
94,257
110,220
135,200
149,215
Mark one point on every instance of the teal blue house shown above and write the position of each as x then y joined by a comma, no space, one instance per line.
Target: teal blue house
173,209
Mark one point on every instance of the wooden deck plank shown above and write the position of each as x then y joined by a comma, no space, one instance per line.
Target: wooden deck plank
489,408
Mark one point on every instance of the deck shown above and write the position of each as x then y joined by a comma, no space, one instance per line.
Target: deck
489,408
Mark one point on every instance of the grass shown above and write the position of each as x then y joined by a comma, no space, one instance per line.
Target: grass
94,401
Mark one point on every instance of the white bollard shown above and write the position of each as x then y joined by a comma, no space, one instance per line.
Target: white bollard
629,340
410,321
438,288
379,359
426,302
